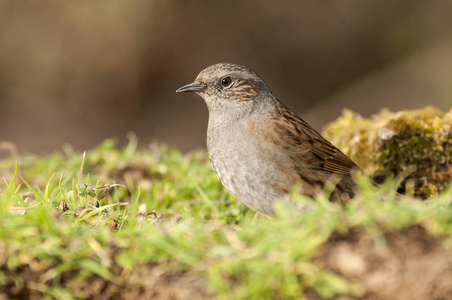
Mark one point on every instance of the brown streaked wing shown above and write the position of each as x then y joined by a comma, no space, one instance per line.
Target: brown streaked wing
302,135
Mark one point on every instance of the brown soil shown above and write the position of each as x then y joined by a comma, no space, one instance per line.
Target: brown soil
150,281
153,282
412,265
405,264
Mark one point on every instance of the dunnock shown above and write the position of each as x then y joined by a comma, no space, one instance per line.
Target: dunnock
260,149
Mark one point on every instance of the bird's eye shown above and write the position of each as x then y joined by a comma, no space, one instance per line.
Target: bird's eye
226,81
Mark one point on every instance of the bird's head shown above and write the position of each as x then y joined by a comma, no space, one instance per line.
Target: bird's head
226,86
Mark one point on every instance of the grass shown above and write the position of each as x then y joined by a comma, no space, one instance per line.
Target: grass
159,207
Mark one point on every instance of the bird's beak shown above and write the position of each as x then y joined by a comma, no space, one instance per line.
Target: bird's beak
192,87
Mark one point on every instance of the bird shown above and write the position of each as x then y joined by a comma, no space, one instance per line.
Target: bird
261,150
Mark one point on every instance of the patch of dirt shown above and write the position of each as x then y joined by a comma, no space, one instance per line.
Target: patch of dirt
412,265
158,284
149,281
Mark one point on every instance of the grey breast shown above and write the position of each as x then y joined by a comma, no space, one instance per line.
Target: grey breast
246,175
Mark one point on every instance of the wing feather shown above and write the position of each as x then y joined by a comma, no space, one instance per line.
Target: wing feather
303,137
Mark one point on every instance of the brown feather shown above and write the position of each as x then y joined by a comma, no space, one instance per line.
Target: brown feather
303,137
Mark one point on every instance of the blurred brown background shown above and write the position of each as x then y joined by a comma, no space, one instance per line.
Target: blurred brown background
81,71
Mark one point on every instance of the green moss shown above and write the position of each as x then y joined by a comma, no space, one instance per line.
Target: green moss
414,144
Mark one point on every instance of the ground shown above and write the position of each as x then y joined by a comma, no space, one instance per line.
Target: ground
158,224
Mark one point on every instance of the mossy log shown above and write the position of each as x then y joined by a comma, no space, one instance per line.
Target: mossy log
416,145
